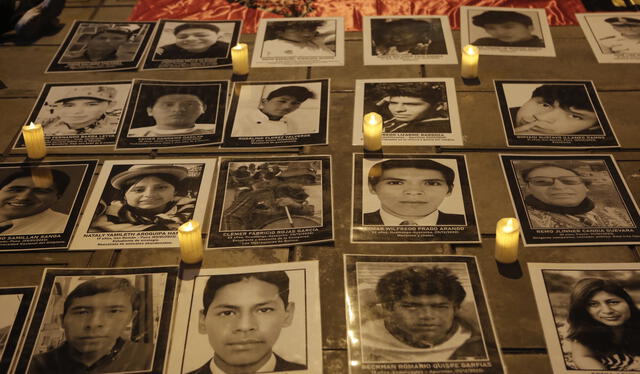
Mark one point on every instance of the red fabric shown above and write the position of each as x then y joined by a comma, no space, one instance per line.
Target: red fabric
559,12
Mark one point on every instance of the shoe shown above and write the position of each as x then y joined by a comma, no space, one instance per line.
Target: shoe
39,19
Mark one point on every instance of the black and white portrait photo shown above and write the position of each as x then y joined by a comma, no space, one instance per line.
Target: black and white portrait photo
407,40
149,196
165,114
79,115
100,320
250,319
421,111
614,37
553,114
412,198
590,315
256,197
507,31
192,44
571,200
15,302
102,46
278,114
411,312
308,41
40,203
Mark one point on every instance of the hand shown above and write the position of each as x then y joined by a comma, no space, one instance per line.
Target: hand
288,202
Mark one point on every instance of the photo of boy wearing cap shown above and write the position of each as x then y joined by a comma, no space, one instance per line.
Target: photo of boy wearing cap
614,37
627,39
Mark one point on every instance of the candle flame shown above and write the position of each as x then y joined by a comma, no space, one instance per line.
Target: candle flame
238,47
470,50
32,126
187,227
372,118
510,225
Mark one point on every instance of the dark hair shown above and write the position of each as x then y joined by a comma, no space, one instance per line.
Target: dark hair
60,179
186,26
382,28
429,92
274,28
171,179
593,334
151,97
376,171
299,92
417,281
104,285
279,279
127,33
525,172
498,16
567,96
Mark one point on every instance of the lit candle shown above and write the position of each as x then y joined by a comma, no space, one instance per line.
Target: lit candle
372,131
240,59
507,235
470,55
190,238
34,140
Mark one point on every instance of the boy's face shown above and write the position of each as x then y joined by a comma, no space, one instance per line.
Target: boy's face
81,111
410,193
408,109
627,29
298,34
280,106
243,322
541,117
509,32
176,111
196,40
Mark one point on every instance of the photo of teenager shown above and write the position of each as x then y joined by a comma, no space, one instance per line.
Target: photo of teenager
407,40
258,319
299,41
614,36
590,315
553,113
16,302
172,114
507,31
193,44
102,46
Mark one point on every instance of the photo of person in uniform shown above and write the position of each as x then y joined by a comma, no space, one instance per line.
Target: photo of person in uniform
406,37
411,107
275,113
418,316
78,110
557,195
299,38
103,45
627,39
506,29
96,319
145,198
285,195
27,199
173,110
410,192
243,316
556,109
194,40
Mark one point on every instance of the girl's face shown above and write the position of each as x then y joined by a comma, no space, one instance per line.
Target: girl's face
608,309
150,193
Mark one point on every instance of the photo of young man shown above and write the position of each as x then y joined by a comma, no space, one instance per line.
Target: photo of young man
614,37
506,29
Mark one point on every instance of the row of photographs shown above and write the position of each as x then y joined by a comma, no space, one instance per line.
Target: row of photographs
150,114
280,201
174,44
404,314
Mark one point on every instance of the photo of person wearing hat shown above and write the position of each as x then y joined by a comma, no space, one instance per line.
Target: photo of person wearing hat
103,45
78,110
627,40
147,198
194,40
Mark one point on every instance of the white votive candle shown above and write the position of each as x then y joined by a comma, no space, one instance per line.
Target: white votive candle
33,135
470,56
190,238
372,131
507,236
240,59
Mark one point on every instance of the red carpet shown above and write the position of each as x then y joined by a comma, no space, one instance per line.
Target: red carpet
559,12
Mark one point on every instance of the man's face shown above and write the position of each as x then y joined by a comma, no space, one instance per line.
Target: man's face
106,42
196,40
425,319
176,111
21,198
244,321
627,29
93,323
410,192
509,32
549,118
298,34
77,112
408,109
280,106
556,186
